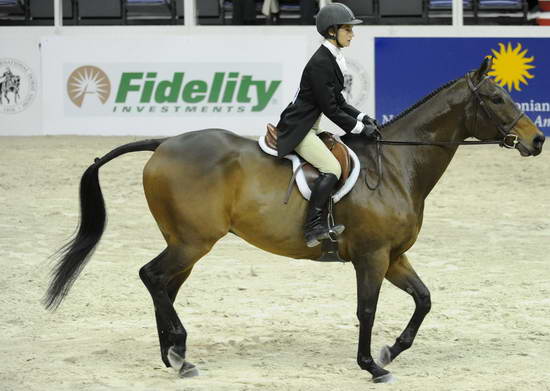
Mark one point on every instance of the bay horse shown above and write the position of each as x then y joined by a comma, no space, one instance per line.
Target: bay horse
201,185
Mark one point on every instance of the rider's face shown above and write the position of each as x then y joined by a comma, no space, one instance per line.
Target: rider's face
345,35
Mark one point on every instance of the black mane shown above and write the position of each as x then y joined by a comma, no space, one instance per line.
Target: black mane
420,102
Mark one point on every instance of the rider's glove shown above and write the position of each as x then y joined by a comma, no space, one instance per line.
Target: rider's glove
369,121
370,130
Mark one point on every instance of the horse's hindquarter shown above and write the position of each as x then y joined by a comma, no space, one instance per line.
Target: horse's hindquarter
185,185
201,185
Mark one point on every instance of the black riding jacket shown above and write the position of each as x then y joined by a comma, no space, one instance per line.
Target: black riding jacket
320,92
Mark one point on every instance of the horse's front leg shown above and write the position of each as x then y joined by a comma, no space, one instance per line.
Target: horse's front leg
403,276
370,271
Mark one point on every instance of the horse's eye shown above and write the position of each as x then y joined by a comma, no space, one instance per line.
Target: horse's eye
497,99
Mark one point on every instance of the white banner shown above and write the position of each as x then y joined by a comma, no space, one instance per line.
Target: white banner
168,85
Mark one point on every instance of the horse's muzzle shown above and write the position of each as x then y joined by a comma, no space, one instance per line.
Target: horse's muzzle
538,141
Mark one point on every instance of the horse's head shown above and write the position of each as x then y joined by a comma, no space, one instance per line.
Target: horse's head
494,115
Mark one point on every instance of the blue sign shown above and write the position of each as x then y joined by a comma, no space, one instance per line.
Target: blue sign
407,69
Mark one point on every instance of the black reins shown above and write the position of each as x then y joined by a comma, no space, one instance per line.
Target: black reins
508,140
438,143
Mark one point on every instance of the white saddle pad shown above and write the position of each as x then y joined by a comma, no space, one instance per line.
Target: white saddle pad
301,178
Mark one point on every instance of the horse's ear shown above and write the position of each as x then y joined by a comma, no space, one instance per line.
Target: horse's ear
485,67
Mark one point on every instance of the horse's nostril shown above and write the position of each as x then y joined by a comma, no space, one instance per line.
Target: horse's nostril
538,141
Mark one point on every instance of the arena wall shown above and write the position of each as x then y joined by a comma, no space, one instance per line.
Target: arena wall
166,80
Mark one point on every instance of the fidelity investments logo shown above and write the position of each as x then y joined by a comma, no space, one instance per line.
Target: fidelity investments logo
161,89
88,80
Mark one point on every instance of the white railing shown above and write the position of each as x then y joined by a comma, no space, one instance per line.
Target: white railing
190,8
57,14
458,13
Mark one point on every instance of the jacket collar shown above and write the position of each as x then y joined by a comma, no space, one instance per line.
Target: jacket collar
326,46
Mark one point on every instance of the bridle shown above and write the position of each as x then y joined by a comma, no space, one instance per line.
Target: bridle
509,140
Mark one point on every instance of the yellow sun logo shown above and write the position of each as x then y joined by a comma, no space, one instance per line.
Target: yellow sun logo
511,67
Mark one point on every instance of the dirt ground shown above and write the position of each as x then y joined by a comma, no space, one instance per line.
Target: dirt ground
257,321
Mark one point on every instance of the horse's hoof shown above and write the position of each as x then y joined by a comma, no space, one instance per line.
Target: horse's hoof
387,378
182,367
188,370
385,356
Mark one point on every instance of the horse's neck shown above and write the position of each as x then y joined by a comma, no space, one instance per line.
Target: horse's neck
441,118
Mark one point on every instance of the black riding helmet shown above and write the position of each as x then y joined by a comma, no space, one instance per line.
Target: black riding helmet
334,15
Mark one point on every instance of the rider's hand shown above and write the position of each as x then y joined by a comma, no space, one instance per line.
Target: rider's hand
369,121
370,130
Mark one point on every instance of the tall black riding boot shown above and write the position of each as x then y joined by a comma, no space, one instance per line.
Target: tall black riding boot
316,225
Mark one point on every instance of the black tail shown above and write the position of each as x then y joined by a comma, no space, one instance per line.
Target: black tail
74,255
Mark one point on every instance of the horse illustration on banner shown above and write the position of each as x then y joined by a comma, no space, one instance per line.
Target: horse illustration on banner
9,82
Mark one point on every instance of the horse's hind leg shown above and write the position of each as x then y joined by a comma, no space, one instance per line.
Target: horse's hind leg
163,277
164,327
402,275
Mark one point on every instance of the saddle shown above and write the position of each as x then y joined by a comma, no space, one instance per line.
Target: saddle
335,146
349,164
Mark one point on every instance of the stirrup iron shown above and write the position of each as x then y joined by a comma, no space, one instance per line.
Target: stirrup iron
329,247
329,252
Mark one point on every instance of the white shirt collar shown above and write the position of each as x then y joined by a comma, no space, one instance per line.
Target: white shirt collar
339,56
336,52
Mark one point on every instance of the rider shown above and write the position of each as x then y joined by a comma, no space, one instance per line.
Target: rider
7,75
320,92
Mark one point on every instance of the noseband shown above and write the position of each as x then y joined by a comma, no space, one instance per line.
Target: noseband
509,140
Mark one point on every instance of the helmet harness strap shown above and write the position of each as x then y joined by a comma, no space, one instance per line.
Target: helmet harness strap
335,36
